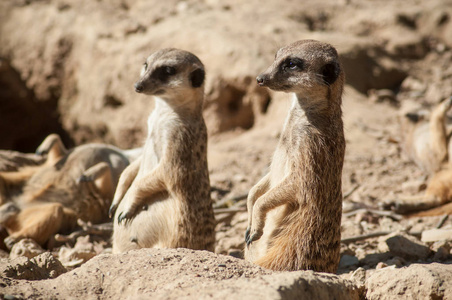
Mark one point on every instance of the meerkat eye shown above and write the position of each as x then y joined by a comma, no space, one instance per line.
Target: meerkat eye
170,70
293,64
164,72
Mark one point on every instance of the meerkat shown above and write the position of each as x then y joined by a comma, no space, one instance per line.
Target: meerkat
163,200
426,141
39,201
294,212
425,138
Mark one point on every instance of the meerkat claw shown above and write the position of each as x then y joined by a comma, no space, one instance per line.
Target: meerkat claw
84,178
112,210
253,237
126,215
122,216
247,235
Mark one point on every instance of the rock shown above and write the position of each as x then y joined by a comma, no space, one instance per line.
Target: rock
442,250
405,246
431,281
80,253
348,261
25,247
48,263
396,261
381,265
434,235
184,273
358,277
43,266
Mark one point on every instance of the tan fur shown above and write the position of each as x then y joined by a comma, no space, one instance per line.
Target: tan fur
295,210
163,200
40,201
426,142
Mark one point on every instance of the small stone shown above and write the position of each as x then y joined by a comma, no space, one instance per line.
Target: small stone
359,277
440,244
434,235
407,247
348,261
396,261
236,253
26,247
381,265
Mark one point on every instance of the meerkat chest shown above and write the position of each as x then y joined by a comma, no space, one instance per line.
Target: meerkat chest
280,165
160,127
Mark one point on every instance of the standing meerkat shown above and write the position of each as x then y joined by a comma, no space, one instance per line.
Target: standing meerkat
163,199
294,212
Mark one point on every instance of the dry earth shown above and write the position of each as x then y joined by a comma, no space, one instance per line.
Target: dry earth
69,67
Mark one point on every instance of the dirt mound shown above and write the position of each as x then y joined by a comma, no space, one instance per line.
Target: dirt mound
176,273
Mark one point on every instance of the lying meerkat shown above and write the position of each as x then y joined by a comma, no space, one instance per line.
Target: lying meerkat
39,201
294,212
163,200
425,139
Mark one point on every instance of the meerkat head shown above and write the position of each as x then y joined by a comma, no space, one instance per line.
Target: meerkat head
169,73
305,67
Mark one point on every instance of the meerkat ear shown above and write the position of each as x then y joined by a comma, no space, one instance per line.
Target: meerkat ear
197,77
330,72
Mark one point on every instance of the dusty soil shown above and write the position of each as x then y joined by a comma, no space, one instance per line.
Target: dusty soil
69,67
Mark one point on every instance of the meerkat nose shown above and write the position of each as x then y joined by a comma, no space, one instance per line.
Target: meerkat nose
260,80
138,87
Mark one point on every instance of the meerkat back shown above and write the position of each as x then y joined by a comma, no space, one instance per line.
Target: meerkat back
163,200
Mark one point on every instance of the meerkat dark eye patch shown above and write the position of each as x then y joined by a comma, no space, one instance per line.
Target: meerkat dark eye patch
164,72
413,117
330,72
295,64
197,78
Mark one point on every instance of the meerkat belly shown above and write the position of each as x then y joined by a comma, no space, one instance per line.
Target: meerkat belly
271,228
155,226
279,169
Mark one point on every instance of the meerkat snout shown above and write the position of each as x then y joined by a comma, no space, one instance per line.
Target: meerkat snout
138,87
260,80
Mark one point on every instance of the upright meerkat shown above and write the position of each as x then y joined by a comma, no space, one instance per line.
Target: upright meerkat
294,212
41,200
163,200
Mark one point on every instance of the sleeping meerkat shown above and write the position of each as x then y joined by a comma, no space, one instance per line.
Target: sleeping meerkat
426,141
163,199
294,212
39,201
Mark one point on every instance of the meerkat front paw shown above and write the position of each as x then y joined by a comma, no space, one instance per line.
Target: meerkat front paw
84,178
130,210
125,215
